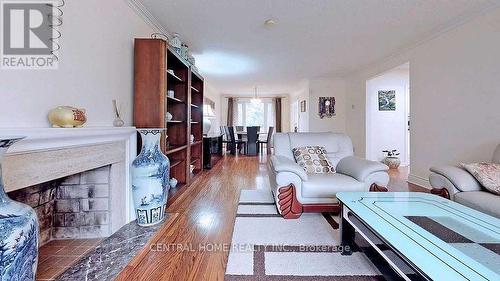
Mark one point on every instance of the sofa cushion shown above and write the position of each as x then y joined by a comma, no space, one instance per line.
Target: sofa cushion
482,201
327,185
282,147
488,174
313,159
337,145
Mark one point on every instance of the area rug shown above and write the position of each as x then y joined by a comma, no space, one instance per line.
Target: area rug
267,247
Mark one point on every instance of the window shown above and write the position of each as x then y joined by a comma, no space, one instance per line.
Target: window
254,114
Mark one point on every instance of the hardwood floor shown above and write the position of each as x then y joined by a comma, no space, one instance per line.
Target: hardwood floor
195,240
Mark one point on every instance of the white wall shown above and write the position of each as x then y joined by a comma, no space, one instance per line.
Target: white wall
96,66
387,130
327,87
311,90
213,94
299,95
455,96
285,114
294,115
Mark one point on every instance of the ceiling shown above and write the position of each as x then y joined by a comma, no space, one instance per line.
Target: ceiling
312,38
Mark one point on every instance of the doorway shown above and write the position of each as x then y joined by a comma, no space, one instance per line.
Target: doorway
294,113
388,114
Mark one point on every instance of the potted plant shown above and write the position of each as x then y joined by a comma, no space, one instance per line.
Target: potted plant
392,158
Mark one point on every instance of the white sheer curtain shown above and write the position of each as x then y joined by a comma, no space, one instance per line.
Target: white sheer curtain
260,114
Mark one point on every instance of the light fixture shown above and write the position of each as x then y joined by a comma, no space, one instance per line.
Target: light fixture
270,22
255,99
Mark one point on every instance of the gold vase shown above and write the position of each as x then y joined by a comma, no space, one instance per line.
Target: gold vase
67,117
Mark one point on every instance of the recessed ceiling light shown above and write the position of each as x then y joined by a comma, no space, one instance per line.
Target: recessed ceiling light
270,22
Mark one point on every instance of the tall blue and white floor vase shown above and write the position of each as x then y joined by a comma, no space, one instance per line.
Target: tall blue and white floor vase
18,232
150,179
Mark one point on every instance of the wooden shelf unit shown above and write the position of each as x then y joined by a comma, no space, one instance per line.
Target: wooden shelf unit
196,124
158,69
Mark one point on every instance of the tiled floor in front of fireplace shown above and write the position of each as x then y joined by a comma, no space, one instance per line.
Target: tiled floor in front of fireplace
58,255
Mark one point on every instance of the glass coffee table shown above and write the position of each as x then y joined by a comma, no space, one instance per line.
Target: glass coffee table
420,236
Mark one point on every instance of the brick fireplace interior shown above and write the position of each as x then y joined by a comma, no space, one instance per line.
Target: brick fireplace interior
73,214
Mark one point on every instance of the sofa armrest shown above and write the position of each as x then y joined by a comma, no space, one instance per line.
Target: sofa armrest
460,178
442,186
284,164
360,168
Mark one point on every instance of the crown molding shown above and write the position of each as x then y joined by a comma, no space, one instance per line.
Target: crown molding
147,16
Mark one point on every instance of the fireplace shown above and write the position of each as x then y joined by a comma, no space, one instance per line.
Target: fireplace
77,180
70,208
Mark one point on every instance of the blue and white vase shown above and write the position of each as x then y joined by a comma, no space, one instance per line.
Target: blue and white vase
150,179
18,232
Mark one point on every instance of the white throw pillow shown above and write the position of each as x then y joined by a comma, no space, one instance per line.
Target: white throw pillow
313,159
487,174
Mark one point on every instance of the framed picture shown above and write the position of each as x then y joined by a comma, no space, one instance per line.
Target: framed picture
303,106
326,107
387,100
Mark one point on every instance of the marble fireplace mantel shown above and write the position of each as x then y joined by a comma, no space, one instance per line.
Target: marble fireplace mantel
39,139
51,153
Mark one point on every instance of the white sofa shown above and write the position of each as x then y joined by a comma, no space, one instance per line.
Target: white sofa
296,191
457,184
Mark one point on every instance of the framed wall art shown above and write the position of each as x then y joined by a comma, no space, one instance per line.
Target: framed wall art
387,100
326,107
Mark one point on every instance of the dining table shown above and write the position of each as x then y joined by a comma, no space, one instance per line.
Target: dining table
242,134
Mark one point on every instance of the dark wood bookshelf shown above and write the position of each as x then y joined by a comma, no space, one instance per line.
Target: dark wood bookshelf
197,142
174,100
158,69
174,76
172,149
175,163
196,124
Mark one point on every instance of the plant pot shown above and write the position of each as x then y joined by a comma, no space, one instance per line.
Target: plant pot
392,161
18,232
150,179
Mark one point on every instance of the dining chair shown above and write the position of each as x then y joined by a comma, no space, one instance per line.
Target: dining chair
239,129
234,144
225,137
223,132
252,141
267,141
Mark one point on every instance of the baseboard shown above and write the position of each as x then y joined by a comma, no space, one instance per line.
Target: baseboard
420,181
